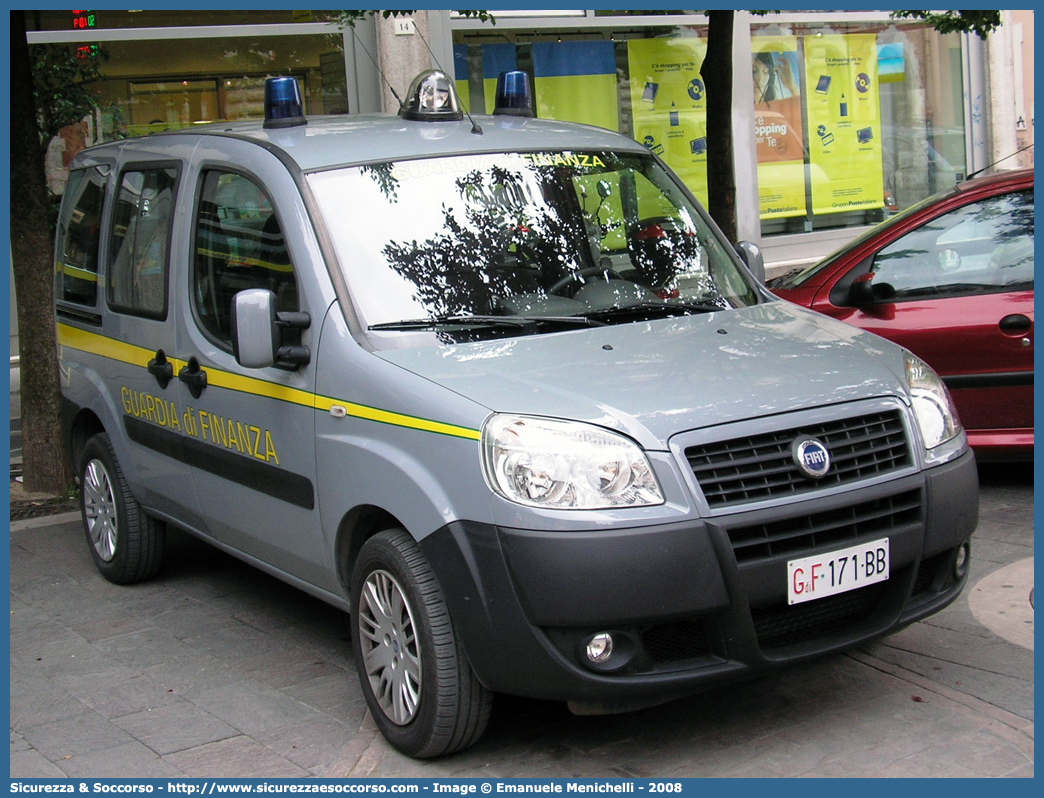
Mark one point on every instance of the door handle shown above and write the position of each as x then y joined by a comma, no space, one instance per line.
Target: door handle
160,368
1015,324
194,377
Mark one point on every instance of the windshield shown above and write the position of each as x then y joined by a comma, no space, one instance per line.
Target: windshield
459,248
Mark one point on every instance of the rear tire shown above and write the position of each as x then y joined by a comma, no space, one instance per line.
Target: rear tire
126,544
418,683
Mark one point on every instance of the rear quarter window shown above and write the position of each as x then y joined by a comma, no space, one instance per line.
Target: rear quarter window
76,257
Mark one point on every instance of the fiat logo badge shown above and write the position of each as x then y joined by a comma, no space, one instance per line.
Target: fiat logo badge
811,457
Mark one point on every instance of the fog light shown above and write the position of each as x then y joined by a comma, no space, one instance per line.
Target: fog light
600,647
960,562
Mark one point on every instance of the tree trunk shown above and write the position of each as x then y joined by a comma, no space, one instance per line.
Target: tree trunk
717,78
45,467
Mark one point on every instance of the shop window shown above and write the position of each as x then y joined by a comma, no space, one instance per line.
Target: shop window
141,242
853,121
168,105
212,80
79,232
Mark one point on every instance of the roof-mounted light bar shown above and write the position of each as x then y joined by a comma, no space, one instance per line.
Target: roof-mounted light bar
283,106
431,99
513,97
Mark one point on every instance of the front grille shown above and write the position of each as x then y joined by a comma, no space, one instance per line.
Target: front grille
785,625
793,536
759,467
674,642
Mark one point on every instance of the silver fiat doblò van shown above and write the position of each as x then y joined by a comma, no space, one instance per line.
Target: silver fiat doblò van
501,390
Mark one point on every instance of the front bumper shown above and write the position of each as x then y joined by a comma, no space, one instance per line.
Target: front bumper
687,611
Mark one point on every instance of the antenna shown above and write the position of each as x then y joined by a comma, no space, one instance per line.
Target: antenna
378,67
474,125
1006,157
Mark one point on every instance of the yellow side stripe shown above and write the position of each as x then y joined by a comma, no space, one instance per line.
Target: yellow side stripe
397,419
79,274
255,387
95,344
101,345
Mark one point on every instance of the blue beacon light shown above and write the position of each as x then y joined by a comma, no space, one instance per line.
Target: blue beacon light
283,107
513,97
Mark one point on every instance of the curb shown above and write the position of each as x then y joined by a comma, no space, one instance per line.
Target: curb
44,520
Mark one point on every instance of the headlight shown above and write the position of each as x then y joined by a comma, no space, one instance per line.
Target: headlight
565,465
932,406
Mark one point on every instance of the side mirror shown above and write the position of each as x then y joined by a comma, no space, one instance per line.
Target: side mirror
864,291
255,337
604,189
257,332
750,253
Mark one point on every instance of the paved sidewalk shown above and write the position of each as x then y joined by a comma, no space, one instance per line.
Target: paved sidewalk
215,669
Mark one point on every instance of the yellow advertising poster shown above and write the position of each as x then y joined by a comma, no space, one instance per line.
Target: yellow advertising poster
844,120
669,106
777,126
576,82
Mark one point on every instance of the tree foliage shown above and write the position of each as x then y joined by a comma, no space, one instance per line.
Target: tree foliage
980,23
60,81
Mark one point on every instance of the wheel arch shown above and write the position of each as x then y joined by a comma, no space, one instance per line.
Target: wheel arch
83,426
357,526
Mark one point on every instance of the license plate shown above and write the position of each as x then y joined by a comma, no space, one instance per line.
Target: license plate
837,571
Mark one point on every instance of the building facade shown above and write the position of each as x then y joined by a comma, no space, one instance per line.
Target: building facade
847,117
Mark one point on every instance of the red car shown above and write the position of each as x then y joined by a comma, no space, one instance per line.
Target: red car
951,279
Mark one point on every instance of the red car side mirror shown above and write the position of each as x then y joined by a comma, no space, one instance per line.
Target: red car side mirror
864,291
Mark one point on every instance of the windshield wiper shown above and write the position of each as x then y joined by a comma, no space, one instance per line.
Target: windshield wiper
652,309
459,320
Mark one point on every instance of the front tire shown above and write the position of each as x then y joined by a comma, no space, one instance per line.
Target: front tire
417,680
126,544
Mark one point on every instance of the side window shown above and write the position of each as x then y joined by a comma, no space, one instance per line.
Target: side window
239,245
141,242
80,229
984,247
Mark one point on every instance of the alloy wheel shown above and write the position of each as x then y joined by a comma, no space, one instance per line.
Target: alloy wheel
391,651
99,508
